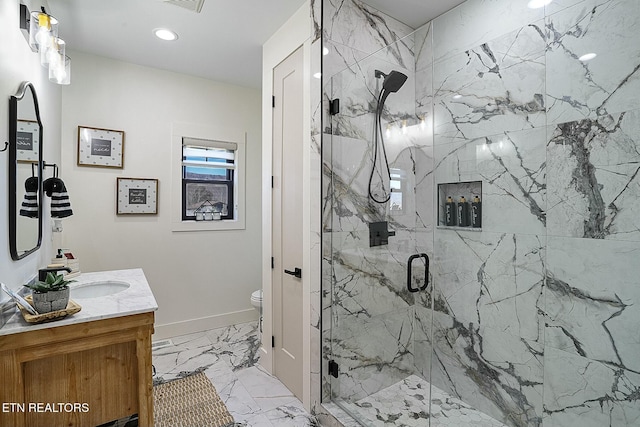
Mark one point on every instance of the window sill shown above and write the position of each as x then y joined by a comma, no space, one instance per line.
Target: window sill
225,224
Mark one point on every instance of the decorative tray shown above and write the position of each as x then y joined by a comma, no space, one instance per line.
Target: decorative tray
72,308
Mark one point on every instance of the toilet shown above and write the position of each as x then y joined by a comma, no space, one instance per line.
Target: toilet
256,300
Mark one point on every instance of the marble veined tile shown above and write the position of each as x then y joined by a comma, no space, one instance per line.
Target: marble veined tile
421,404
266,390
494,87
422,343
557,5
476,21
340,59
423,42
512,168
354,24
593,180
424,99
492,280
607,84
253,397
592,300
499,374
316,20
291,415
352,208
580,392
369,285
371,353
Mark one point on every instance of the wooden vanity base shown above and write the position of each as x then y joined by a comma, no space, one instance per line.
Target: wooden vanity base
83,374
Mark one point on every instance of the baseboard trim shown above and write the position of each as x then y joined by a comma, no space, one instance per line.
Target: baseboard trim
191,326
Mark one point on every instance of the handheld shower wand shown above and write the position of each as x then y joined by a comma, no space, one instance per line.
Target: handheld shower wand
392,83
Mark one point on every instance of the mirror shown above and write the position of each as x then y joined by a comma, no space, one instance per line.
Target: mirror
25,172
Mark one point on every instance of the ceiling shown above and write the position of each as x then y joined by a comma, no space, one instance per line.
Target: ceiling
223,42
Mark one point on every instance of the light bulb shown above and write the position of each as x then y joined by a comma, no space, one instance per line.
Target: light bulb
587,57
164,34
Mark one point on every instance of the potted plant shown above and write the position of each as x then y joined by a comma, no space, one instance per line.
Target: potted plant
52,294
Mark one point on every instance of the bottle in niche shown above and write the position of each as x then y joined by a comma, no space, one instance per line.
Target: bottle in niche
450,212
463,212
476,212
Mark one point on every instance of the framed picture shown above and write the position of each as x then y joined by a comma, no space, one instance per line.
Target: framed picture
100,147
28,141
136,196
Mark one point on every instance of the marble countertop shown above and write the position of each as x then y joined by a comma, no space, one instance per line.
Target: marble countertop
138,298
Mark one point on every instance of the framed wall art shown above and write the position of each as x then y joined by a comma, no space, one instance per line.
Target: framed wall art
136,196
100,147
28,141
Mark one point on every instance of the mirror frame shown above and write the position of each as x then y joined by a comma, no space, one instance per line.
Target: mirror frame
13,163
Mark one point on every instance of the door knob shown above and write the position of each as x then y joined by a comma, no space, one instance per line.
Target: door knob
296,272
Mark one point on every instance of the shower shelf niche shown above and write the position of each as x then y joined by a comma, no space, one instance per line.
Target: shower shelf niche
456,190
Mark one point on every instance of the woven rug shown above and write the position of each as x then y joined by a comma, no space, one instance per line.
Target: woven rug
189,402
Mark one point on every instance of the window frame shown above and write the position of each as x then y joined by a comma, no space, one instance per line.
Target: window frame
217,138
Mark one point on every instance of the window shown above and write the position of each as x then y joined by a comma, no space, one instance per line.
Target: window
397,184
207,164
208,177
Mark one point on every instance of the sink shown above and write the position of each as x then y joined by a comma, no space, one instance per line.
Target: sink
100,288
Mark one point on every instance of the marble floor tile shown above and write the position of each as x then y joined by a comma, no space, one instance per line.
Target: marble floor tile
229,356
267,391
411,403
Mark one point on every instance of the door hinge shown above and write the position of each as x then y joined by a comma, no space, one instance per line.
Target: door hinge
273,102
273,262
271,181
333,368
334,106
273,341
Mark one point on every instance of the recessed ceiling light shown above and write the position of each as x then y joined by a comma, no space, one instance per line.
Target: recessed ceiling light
164,34
536,4
587,57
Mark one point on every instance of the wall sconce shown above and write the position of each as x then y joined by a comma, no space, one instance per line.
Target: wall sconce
41,31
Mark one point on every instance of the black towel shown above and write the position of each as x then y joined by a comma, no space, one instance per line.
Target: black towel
60,204
29,206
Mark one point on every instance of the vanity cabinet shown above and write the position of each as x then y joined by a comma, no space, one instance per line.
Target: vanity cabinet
82,374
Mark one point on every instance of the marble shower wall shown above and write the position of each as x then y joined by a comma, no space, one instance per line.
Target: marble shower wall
533,319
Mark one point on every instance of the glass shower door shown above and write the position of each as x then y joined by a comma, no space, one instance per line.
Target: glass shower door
379,348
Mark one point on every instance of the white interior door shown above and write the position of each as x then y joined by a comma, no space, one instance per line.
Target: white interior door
287,221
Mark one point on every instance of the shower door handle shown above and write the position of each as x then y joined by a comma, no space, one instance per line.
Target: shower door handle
297,272
426,272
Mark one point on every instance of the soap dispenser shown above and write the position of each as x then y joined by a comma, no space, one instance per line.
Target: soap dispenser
60,259
450,212
463,212
476,212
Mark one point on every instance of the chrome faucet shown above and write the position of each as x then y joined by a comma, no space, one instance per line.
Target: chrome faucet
42,273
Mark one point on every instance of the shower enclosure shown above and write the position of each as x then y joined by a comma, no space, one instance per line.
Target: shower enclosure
530,316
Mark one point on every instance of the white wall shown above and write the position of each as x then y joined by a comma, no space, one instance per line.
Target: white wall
294,33
18,63
201,279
